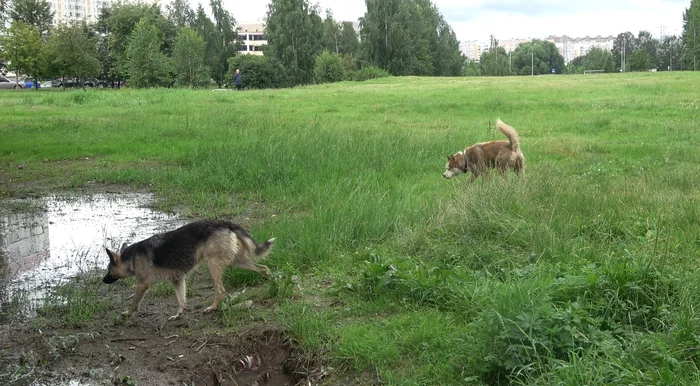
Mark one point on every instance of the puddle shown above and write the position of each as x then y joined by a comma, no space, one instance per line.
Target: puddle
42,248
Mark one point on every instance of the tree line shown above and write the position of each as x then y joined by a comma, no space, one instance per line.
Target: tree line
181,46
629,53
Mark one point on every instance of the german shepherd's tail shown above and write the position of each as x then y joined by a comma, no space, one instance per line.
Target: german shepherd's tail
261,250
509,132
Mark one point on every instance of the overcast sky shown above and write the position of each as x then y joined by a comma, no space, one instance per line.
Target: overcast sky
477,19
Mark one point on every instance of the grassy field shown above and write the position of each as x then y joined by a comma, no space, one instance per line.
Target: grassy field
584,272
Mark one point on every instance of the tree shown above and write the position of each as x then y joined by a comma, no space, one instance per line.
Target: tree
626,44
207,30
331,33
595,59
536,58
494,62
349,42
294,31
671,54
180,13
225,39
24,50
382,37
74,50
408,37
471,68
329,68
448,59
36,13
188,60
258,71
146,65
640,60
691,23
650,45
120,22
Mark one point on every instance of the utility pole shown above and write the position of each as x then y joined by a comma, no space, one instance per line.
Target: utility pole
622,55
532,63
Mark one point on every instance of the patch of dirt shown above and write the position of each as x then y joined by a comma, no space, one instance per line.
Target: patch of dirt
147,349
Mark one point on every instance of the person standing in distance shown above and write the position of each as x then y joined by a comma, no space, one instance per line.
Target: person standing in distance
238,80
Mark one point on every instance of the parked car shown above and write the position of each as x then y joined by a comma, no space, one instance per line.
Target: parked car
64,82
8,84
74,82
94,82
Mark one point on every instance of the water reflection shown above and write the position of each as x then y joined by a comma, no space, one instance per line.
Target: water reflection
40,249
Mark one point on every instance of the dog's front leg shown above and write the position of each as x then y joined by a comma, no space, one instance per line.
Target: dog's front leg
181,293
141,288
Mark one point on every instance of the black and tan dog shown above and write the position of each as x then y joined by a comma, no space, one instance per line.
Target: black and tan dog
171,255
481,157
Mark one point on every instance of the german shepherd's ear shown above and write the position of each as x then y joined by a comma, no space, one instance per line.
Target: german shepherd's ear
112,256
123,248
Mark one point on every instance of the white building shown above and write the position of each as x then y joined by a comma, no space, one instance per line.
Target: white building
474,48
568,47
66,11
571,48
253,37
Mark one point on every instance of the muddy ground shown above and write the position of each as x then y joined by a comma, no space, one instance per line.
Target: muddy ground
147,349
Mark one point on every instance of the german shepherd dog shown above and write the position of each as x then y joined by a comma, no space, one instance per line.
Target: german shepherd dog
478,158
171,255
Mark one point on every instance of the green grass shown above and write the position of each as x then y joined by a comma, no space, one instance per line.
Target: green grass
583,273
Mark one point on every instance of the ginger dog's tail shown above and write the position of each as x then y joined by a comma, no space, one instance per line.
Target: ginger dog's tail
509,132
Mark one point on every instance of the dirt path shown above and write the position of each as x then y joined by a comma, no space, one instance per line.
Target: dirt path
149,350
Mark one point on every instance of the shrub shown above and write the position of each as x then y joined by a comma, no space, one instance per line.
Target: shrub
258,71
329,68
369,72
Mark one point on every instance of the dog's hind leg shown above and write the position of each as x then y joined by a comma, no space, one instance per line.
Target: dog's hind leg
181,293
519,167
216,269
141,288
247,263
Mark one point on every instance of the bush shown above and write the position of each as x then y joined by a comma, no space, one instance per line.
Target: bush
369,72
329,68
258,71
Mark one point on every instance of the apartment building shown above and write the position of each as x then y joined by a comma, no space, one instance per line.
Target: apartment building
66,11
253,37
571,48
473,49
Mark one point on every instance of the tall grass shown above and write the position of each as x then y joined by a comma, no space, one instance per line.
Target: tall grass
582,272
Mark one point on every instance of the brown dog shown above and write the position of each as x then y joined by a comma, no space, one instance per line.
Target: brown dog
478,158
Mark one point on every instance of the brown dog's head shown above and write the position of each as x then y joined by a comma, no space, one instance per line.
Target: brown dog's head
456,165
118,268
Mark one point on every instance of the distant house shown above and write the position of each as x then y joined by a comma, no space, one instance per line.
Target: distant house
252,36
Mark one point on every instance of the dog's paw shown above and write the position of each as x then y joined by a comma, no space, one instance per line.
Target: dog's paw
126,314
209,309
174,317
